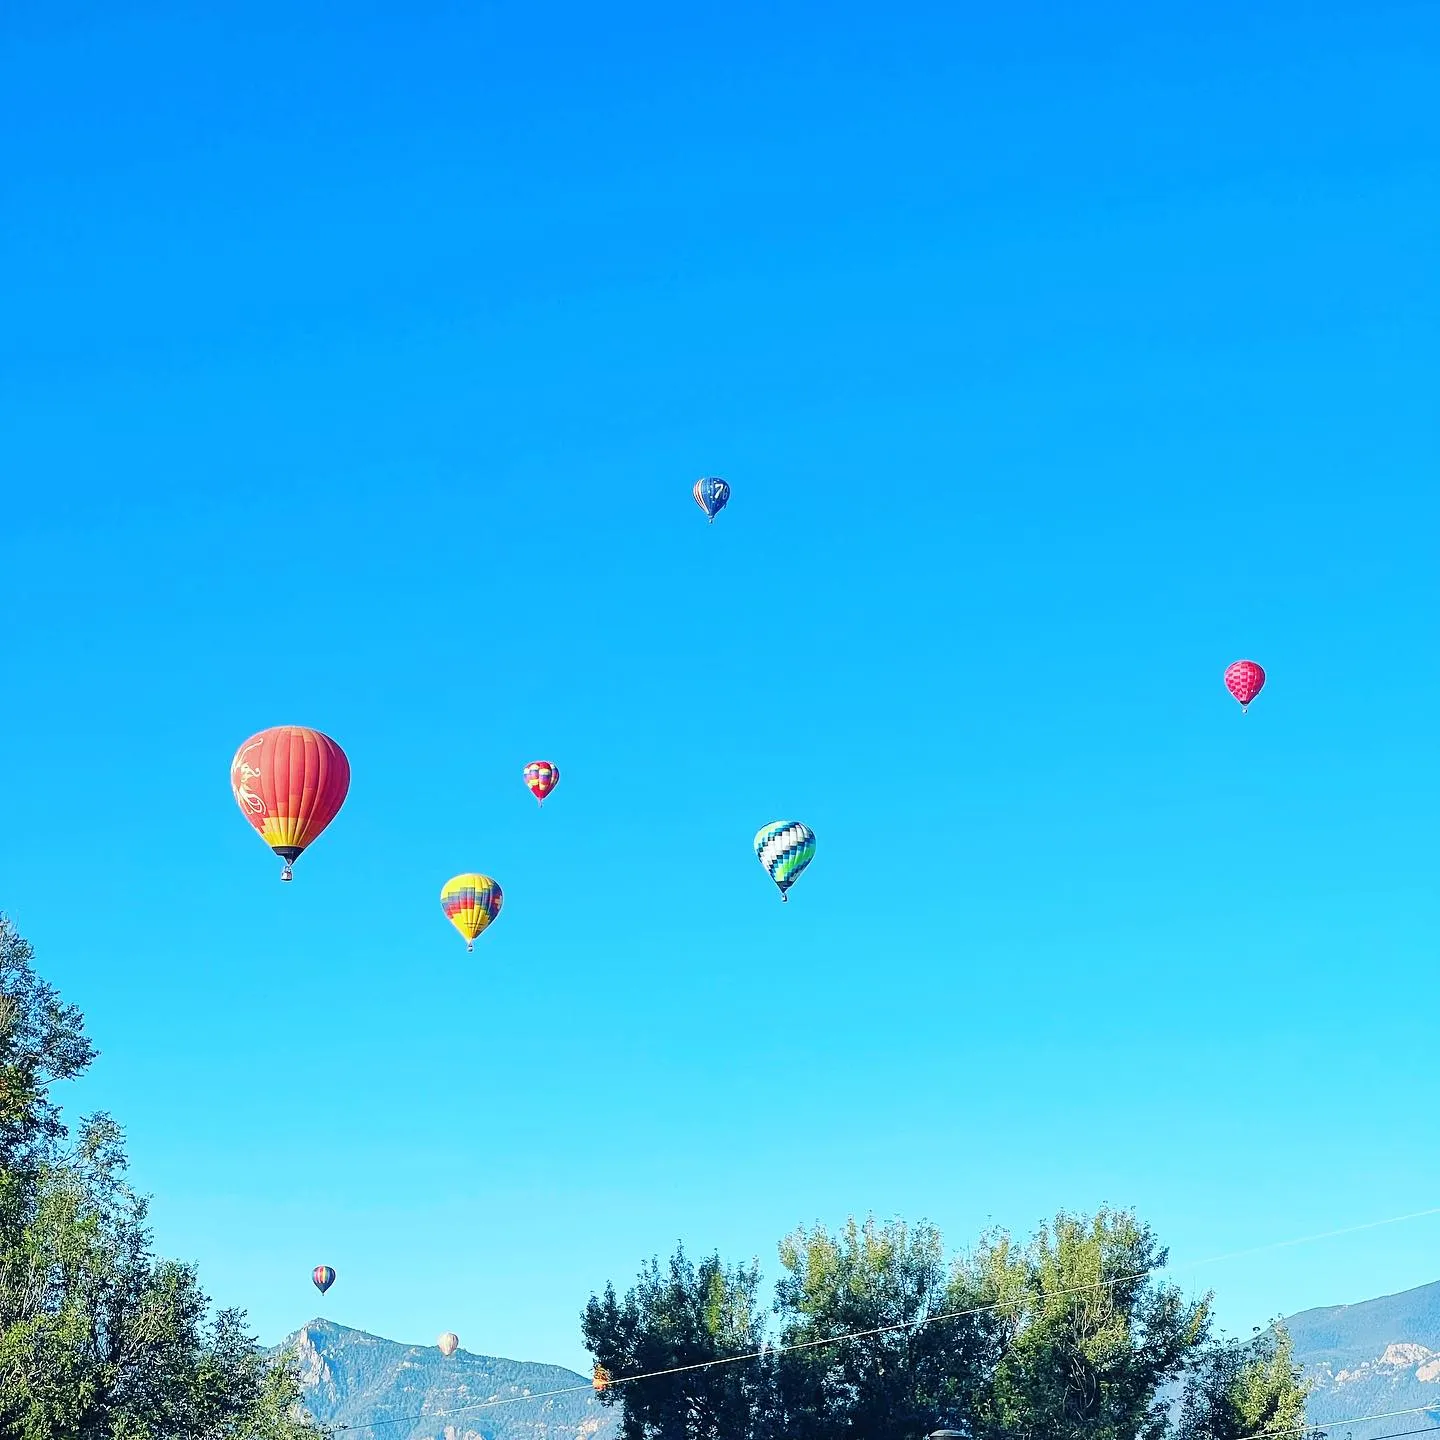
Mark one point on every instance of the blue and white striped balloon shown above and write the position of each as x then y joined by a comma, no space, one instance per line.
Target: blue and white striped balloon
785,848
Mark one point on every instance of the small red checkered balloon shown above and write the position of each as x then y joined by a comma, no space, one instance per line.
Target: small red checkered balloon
542,777
1244,680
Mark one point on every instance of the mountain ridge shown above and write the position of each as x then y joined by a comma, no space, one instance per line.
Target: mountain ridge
354,1380
1374,1357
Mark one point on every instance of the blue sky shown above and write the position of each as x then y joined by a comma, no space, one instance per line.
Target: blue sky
355,374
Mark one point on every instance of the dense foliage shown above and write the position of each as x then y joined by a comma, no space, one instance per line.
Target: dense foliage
98,1336
1070,1337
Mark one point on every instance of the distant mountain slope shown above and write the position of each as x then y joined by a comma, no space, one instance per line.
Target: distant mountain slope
412,1392
1372,1359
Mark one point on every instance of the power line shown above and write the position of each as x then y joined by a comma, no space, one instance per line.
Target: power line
1307,1428
848,1337
1394,1434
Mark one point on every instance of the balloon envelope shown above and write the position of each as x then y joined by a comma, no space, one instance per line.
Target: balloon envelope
324,1278
1244,680
785,848
289,782
449,1343
542,776
711,495
471,902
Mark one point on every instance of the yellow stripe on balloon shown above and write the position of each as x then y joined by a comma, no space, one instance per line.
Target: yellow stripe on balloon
281,830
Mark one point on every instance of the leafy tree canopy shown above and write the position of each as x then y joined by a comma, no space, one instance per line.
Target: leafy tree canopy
98,1336
1070,1336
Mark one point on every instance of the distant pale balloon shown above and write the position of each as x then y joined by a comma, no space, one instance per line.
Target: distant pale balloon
1244,680
449,1343
470,903
324,1278
785,848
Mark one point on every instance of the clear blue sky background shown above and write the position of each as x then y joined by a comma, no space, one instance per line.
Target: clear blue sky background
356,370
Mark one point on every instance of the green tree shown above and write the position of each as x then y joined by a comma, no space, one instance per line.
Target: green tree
683,1319
907,1371
1088,1339
99,1338
42,1040
881,1337
1239,1389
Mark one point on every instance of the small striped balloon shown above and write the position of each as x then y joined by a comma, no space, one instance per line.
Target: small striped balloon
542,776
324,1278
785,848
449,1343
711,494
470,903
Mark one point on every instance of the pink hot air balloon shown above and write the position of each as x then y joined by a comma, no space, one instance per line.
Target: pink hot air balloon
1244,680
542,776
448,1343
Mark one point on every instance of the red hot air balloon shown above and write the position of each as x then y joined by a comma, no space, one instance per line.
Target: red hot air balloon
542,777
1244,680
290,783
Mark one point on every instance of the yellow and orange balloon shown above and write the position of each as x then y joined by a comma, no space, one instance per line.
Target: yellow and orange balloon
470,903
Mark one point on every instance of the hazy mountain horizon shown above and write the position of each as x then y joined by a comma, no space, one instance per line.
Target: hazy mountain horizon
356,1379
1370,1358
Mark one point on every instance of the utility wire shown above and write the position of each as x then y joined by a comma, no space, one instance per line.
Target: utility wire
1308,1429
848,1337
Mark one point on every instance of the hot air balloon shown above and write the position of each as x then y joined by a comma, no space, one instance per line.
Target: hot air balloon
1244,680
449,1343
290,783
324,1278
712,494
542,776
471,902
785,848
